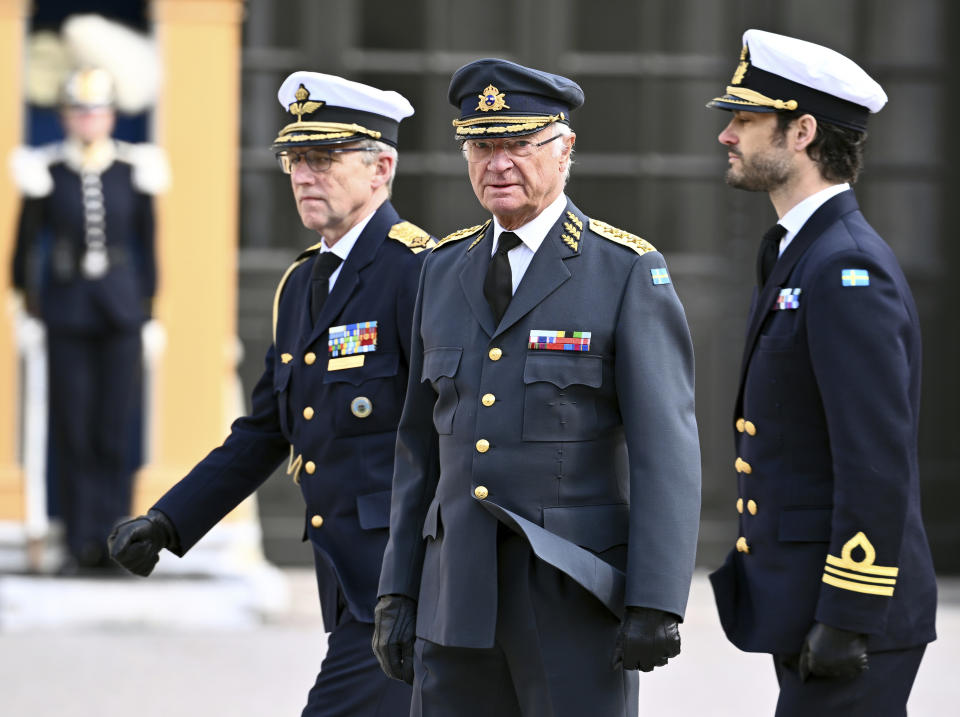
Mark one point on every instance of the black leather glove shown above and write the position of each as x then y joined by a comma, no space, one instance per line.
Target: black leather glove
394,630
648,638
832,652
136,543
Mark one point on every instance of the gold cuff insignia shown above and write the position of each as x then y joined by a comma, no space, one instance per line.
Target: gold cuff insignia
860,576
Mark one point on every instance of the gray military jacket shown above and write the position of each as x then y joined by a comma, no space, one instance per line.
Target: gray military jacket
586,444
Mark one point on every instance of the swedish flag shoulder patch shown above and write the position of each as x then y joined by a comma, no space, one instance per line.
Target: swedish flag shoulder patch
854,277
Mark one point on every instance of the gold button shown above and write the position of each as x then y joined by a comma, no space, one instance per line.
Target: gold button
742,546
481,492
742,466
740,424
488,399
750,428
739,505
308,412
310,358
310,467
483,445
316,521
495,354
752,507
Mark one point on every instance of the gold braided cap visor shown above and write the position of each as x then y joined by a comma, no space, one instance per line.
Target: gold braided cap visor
322,132
752,98
504,124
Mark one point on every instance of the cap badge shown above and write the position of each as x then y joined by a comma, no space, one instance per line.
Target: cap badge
491,100
303,105
741,68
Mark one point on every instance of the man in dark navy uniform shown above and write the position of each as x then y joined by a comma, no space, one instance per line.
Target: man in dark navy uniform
547,484
832,572
84,262
332,391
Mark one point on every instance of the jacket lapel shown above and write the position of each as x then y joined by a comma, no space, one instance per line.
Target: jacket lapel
816,225
472,273
349,280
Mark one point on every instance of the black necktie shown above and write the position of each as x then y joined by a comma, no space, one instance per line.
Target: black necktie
498,286
769,251
323,267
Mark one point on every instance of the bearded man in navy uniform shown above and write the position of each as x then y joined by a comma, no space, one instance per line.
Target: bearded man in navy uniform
332,390
547,484
831,573
85,266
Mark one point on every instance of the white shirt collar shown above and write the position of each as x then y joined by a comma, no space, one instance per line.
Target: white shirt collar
533,232
794,220
342,248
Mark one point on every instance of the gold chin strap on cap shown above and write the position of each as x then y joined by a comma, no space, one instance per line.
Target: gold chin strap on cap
759,99
505,123
296,131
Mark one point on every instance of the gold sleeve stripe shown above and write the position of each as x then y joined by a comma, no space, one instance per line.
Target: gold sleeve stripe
862,567
862,578
857,587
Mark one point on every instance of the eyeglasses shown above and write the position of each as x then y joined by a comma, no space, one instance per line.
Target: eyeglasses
481,150
318,160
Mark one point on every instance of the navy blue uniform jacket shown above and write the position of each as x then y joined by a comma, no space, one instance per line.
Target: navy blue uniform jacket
826,437
591,455
301,409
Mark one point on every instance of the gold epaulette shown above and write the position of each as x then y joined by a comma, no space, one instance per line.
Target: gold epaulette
641,246
412,237
462,234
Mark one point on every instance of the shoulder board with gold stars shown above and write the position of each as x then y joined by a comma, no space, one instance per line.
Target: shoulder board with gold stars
462,234
641,246
412,237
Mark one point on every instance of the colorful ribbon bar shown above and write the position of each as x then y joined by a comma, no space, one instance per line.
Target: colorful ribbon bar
788,299
559,340
352,339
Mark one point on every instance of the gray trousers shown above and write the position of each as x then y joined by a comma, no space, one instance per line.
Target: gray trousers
552,653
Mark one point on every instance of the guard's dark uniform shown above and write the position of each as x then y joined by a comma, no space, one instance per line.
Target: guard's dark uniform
544,483
330,405
93,326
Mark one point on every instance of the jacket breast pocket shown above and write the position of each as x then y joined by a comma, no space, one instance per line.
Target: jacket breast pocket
560,396
281,391
440,366
368,398
805,525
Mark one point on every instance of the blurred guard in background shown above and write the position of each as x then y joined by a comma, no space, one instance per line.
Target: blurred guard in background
331,394
84,262
831,573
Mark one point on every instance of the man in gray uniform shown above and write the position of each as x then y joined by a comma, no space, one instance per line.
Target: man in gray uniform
547,480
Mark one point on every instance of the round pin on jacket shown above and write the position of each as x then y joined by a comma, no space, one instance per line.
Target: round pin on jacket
361,407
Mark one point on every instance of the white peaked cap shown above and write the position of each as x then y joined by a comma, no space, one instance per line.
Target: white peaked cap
815,66
331,109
